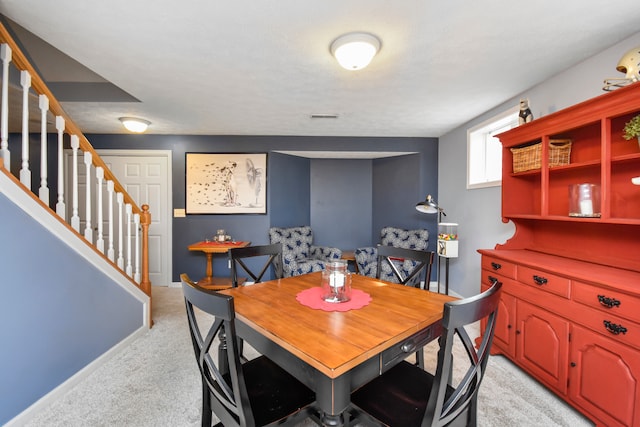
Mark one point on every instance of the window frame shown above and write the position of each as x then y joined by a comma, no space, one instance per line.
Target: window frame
499,122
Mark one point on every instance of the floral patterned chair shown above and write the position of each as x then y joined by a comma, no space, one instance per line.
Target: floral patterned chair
299,254
367,258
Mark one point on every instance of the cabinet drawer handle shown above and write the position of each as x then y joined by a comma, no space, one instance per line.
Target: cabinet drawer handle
493,280
540,280
496,266
608,302
614,328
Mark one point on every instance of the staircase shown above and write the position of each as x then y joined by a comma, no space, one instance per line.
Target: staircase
97,296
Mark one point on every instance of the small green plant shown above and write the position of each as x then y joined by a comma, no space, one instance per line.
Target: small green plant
632,128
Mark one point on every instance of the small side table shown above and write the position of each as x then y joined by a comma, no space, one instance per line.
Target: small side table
350,256
210,248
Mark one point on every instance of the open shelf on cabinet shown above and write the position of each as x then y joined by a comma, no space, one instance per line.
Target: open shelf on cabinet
599,155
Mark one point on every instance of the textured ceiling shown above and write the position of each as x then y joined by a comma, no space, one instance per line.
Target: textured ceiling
263,67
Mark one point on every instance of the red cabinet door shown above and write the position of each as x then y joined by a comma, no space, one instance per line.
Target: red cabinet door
504,338
604,378
542,345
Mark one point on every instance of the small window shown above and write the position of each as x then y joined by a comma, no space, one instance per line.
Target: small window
484,151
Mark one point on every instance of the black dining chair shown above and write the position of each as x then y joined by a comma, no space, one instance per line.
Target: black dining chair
270,255
409,266
406,395
255,393
263,256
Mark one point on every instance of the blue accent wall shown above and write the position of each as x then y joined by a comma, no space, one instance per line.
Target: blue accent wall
400,183
345,201
58,313
341,202
289,190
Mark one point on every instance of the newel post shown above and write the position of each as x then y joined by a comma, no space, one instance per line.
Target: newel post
145,222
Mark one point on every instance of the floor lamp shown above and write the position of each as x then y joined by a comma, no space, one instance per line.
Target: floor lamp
447,236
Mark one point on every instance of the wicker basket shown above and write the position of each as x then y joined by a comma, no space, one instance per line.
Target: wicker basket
528,158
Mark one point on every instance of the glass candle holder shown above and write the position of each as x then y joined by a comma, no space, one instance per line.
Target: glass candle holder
336,282
584,200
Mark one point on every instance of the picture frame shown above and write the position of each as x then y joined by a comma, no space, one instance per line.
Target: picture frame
226,183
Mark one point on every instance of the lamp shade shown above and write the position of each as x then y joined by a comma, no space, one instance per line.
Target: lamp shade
133,124
355,51
428,206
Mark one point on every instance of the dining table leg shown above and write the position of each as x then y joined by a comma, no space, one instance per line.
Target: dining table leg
333,397
332,420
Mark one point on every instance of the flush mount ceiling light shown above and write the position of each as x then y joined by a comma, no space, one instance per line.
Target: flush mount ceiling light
354,51
134,124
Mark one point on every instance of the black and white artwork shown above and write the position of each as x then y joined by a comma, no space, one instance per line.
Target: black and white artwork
226,183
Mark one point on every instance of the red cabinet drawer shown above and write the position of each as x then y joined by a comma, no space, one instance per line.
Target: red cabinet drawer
607,301
499,266
544,281
623,331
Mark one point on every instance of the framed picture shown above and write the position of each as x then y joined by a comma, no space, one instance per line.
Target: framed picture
229,183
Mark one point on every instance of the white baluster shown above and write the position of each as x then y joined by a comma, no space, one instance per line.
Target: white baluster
120,200
75,217
60,206
129,211
136,222
110,251
88,233
25,173
43,193
100,178
5,55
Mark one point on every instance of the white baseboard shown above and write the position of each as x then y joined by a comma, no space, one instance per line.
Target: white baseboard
28,414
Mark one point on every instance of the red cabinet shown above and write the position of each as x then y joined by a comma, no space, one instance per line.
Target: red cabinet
542,345
604,378
583,343
505,337
570,308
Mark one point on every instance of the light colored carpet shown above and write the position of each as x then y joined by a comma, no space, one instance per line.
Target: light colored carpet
155,382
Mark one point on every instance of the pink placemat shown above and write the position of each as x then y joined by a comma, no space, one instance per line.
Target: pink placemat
312,297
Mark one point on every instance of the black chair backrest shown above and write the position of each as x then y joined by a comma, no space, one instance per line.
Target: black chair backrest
273,254
422,260
228,389
457,315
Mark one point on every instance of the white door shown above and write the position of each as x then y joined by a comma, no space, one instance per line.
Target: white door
146,176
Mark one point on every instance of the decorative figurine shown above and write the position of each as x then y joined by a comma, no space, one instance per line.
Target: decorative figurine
525,115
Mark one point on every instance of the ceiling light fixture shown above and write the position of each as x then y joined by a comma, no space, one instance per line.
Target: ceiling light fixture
354,51
133,124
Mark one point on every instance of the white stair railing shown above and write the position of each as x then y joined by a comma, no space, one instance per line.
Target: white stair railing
5,55
61,208
88,232
136,221
75,217
43,192
25,173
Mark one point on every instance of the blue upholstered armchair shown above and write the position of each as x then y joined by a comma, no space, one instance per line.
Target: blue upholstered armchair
299,254
367,258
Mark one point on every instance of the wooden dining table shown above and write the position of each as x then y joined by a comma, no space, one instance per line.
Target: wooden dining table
335,352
